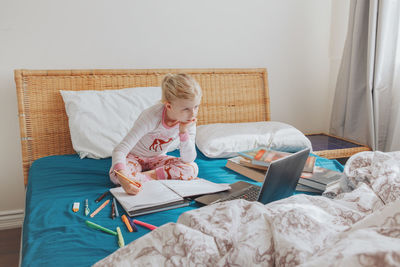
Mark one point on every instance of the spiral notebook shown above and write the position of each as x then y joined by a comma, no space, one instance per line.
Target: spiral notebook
165,194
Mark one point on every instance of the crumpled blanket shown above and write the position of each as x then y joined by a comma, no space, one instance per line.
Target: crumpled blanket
360,226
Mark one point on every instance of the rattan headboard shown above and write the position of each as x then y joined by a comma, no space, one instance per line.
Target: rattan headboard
229,95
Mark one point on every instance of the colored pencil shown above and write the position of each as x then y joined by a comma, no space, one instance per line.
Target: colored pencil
135,183
99,208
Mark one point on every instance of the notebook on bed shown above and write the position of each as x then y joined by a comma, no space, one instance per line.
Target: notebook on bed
164,195
280,182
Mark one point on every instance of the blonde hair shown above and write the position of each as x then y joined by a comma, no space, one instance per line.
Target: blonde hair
179,86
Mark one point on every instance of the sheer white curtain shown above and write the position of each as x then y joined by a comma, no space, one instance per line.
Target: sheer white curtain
366,103
393,140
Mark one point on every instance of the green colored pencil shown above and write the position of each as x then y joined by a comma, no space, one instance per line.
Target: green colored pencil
99,227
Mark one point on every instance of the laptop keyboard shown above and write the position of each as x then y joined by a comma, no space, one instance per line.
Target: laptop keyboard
250,194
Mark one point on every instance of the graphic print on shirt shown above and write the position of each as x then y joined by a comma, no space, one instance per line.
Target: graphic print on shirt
158,143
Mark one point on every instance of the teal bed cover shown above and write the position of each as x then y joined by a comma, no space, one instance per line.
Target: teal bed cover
54,235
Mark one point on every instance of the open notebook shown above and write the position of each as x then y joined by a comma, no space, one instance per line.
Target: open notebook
163,195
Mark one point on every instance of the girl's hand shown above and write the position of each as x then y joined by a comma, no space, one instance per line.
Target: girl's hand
184,125
127,186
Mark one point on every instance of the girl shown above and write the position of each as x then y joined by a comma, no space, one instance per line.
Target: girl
141,155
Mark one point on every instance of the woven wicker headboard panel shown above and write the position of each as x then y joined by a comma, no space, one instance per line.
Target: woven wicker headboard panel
229,95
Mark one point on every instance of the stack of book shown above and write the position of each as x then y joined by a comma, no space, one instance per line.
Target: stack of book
254,164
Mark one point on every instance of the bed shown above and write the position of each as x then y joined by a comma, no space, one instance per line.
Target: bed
56,177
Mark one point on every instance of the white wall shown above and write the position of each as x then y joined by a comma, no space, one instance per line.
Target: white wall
339,22
290,38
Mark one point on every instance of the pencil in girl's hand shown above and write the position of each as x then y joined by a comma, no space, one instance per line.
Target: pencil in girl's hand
135,183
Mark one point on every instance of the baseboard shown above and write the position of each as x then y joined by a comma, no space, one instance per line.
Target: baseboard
11,219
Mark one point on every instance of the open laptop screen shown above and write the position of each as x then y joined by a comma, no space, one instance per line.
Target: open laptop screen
282,177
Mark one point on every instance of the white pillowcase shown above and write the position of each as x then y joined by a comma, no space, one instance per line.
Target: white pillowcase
224,140
99,120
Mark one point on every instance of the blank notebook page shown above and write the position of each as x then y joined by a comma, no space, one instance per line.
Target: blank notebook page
195,187
152,193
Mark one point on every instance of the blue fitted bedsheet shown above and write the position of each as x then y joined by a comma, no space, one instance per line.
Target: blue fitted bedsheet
53,235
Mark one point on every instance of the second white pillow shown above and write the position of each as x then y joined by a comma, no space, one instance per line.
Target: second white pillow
224,140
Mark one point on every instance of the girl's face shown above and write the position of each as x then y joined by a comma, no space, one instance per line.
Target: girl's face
183,110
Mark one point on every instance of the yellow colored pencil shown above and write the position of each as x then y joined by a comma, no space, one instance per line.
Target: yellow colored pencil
121,241
99,208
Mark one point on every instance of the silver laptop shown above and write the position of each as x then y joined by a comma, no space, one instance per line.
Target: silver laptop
280,182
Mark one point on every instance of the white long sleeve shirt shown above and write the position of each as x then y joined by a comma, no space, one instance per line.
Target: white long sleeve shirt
150,137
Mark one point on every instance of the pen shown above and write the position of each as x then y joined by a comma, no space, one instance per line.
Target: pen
135,183
99,227
99,208
121,241
116,207
126,221
112,210
101,197
87,210
134,228
147,225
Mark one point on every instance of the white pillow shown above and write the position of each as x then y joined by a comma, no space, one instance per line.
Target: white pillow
224,140
99,120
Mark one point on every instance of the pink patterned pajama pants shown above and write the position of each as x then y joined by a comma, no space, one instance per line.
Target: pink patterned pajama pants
167,167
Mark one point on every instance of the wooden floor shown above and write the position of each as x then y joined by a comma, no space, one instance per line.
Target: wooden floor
9,247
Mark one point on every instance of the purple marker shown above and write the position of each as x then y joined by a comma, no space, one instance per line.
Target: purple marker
134,228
